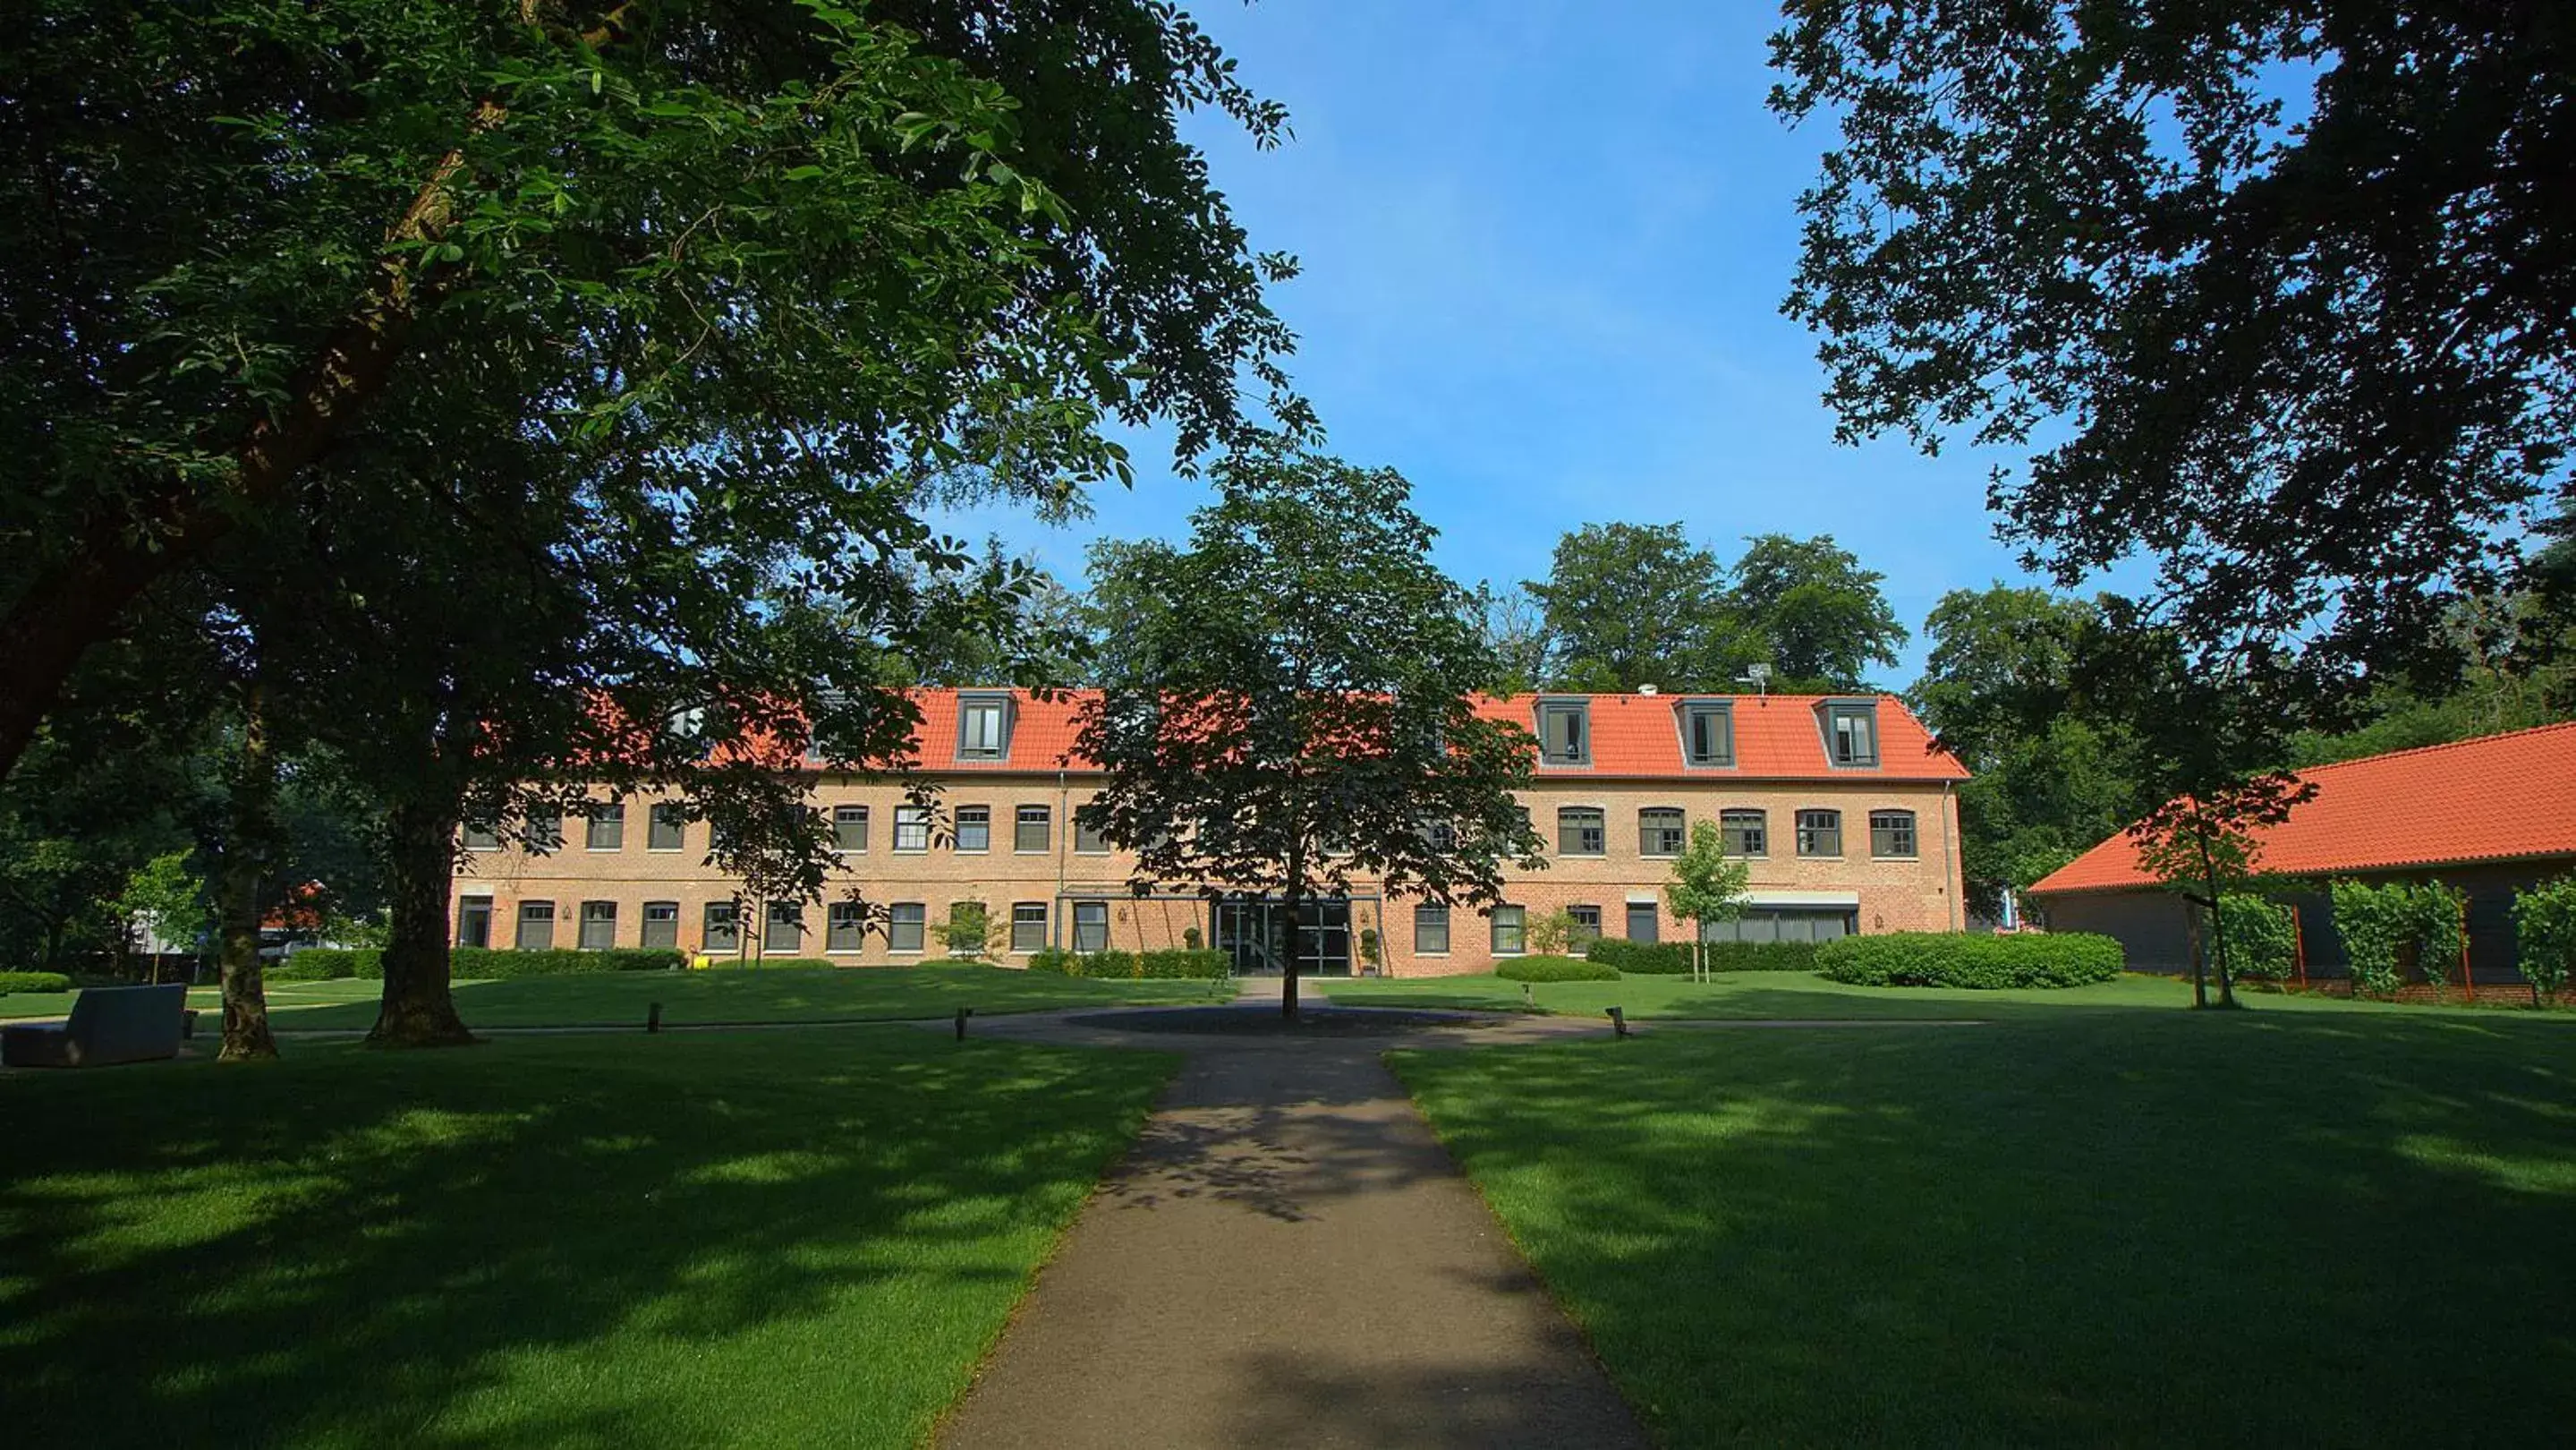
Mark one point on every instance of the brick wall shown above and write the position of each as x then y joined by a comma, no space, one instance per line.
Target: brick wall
1916,894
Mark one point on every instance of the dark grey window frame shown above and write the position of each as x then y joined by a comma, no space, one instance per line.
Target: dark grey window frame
979,820
1090,917
1022,817
1734,820
1889,822
775,919
602,912
850,830
1430,917
666,827
1723,712
845,926
1587,926
1580,710
1569,824
1809,835
531,912
1653,917
720,927
1831,714
545,831
660,932
605,830
1678,829
908,927
1515,927
481,838
1000,706
476,910
1087,840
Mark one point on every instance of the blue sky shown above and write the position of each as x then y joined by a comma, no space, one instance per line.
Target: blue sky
1545,244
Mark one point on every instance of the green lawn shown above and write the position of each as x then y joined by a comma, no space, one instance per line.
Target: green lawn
795,994
1803,996
788,1238
2079,1227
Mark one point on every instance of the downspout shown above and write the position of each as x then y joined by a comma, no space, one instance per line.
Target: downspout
1063,835
1954,882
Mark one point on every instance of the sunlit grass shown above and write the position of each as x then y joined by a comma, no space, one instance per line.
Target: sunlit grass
781,1238
2067,1227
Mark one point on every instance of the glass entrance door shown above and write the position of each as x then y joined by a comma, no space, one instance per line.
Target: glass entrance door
1260,936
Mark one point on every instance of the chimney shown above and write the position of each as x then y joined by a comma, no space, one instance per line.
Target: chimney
1645,689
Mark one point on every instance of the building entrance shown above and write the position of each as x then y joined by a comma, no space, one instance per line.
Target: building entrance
1260,935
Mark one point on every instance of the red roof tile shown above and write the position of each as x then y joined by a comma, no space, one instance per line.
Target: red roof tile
2498,797
1777,737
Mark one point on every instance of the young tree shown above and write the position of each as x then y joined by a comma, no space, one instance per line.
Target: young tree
1707,885
2213,840
1302,711
2212,250
165,901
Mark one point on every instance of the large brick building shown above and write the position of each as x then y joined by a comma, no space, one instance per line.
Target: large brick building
1842,805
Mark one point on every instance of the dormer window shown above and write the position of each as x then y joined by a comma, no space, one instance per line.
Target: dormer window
983,727
1708,733
1851,732
1565,732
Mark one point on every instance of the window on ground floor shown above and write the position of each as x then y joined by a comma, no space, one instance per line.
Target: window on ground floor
474,921
784,933
1587,927
536,926
723,928
1786,923
1091,926
1645,921
906,921
1511,930
598,925
661,924
1431,930
1028,926
845,927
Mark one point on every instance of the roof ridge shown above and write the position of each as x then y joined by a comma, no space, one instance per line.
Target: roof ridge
2555,725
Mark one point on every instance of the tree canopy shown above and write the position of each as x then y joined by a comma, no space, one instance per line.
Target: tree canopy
2281,295
1301,714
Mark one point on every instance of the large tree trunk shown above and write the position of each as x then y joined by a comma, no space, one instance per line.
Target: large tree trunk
253,829
418,1010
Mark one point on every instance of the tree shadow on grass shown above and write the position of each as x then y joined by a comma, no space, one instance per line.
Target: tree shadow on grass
2115,1226
788,1237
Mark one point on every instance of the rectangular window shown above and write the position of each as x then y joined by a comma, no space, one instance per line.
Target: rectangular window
1581,831
1431,930
545,830
474,921
661,924
983,727
1748,833
850,829
783,935
1851,730
912,828
1087,840
1563,736
607,829
536,926
1511,930
481,838
845,926
1587,928
1029,829
722,928
1891,833
1028,926
1091,926
1661,831
974,828
905,923
668,829
1708,733
1442,836
723,933
1820,833
1645,922
598,925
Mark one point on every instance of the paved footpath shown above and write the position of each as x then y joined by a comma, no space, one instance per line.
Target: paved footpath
1288,1257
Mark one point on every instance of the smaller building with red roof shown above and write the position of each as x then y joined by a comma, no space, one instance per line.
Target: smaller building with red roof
2488,816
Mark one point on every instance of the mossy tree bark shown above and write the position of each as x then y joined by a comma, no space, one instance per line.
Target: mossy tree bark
418,1009
253,831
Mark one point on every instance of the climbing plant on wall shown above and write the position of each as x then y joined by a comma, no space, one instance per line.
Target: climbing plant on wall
2544,924
2386,928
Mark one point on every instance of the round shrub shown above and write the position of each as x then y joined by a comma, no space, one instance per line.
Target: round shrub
1958,959
1556,969
33,982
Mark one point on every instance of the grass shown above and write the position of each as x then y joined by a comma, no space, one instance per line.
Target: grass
2069,1227
784,1238
793,994
1803,996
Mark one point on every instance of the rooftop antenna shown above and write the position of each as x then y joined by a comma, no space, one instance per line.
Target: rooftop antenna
1759,676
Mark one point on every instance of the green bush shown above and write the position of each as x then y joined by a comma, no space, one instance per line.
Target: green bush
2262,938
1555,969
1165,964
743,964
33,982
1958,959
1673,959
2544,928
2387,927
334,964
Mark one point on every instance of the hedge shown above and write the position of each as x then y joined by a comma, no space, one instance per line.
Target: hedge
1165,964
33,982
741,964
1555,969
333,964
2262,938
1958,959
1673,959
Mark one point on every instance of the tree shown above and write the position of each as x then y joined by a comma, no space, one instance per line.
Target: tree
2213,840
1628,605
1302,714
2288,285
1515,629
819,246
1707,885
1820,612
165,901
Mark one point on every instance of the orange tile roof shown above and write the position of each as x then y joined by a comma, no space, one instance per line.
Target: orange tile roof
1777,737
2498,797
